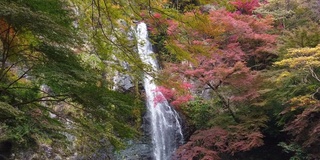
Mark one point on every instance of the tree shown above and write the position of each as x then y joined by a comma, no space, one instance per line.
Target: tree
221,52
301,115
211,143
37,47
290,14
291,93
246,7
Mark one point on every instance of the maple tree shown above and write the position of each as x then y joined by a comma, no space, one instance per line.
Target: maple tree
221,53
208,144
221,69
246,7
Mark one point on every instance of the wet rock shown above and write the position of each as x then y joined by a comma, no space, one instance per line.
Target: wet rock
208,7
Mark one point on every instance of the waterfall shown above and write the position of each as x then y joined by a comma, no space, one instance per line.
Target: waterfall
165,126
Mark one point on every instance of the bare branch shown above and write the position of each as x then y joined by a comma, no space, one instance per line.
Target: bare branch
313,74
44,99
18,78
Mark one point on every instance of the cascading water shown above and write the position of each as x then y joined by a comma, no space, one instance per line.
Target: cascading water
165,126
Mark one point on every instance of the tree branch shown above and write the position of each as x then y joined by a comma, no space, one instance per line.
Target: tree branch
43,99
225,102
17,79
313,74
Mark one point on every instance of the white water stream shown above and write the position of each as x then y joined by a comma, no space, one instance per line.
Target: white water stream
165,126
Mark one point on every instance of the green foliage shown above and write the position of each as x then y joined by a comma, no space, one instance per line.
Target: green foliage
8,111
299,154
295,85
200,113
41,43
38,44
205,114
302,36
36,22
55,9
291,14
184,5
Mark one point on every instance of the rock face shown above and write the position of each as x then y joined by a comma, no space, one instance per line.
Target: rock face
140,149
137,151
42,152
122,82
207,8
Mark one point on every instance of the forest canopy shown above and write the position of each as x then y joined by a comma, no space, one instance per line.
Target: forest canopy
244,74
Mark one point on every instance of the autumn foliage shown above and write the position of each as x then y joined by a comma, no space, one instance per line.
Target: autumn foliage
220,49
221,52
246,6
174,97
6,33
244,75
209,144
305,128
